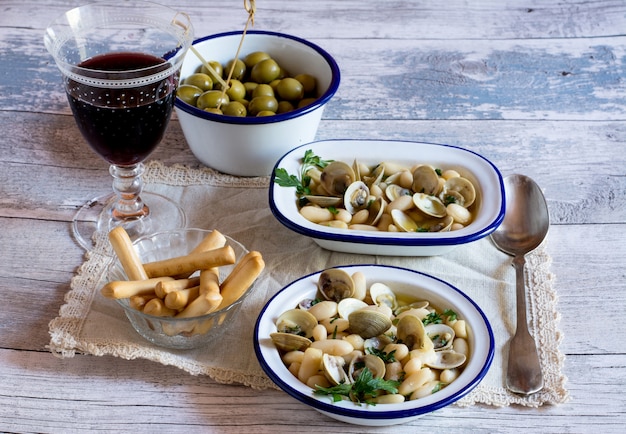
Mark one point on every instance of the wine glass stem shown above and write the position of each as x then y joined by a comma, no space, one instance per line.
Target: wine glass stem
127,185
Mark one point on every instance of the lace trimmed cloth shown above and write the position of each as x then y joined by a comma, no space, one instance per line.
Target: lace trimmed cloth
91,324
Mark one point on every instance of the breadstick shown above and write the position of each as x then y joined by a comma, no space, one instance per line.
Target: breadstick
126,253
210,287
165,287
212,241
191,262
239,280
128,288
179,299
200,306
156,307
139,301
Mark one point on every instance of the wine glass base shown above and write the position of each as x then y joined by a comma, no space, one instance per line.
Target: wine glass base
95,217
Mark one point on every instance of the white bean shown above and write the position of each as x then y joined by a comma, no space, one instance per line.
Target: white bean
356,341
360,285
316,214
335,325
324,309
293,356
416,380
360,217
389,399
311,363
319,333
334,347
448,375
425,390
459,213
460,345
460,328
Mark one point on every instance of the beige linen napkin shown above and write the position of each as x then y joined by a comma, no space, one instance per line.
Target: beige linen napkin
89,323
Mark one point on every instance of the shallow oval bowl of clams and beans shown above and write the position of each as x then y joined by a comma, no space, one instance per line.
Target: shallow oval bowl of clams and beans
373,345
387,197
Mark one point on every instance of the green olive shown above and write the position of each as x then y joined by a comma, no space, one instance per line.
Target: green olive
290,89
250,86
212,99
214,111
217,67
263,90
255,57
285,107
306,101
274,84
189,93
262,103
239,70
265,71
265,113
236,91
201,80
309,83
234,108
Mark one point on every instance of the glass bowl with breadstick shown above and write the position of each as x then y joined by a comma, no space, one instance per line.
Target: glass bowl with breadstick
180,288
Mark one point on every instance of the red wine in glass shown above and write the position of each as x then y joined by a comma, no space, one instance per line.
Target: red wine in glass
123,124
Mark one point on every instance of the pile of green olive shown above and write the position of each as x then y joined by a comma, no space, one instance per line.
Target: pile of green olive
259,86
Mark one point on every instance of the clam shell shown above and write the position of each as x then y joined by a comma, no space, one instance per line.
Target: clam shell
425,180
375,364
324,201
297,322
381,294
411,332
356,197
335,284
403,221
290,342
368,323
441,335
430,205
448,359
336,177
463,187
348,305
332,366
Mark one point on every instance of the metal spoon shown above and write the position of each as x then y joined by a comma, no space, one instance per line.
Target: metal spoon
524,227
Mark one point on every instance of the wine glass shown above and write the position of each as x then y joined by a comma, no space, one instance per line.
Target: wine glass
120,64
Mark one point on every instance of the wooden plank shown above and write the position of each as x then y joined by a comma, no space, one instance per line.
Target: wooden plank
454,19
86,393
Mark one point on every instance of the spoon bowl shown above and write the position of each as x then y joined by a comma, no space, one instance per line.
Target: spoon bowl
523,229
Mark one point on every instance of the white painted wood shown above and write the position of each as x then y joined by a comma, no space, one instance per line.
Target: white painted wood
537,88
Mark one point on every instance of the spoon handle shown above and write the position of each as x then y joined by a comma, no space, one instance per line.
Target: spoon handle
524,371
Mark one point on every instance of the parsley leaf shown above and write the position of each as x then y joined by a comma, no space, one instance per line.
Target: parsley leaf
364,389
450,314
432,318
301,184
386,357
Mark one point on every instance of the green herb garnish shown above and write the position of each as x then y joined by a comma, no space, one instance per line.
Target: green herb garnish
450,314
301,184
432,318
386,357
363,390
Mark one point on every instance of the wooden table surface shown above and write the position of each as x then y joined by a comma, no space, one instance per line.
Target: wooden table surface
537,87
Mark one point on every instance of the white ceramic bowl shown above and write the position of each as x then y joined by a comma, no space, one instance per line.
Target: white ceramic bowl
172,332
250,146
402,281
489,206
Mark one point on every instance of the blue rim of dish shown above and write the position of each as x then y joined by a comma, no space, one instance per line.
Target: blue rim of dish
320,101
350,237
364,414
